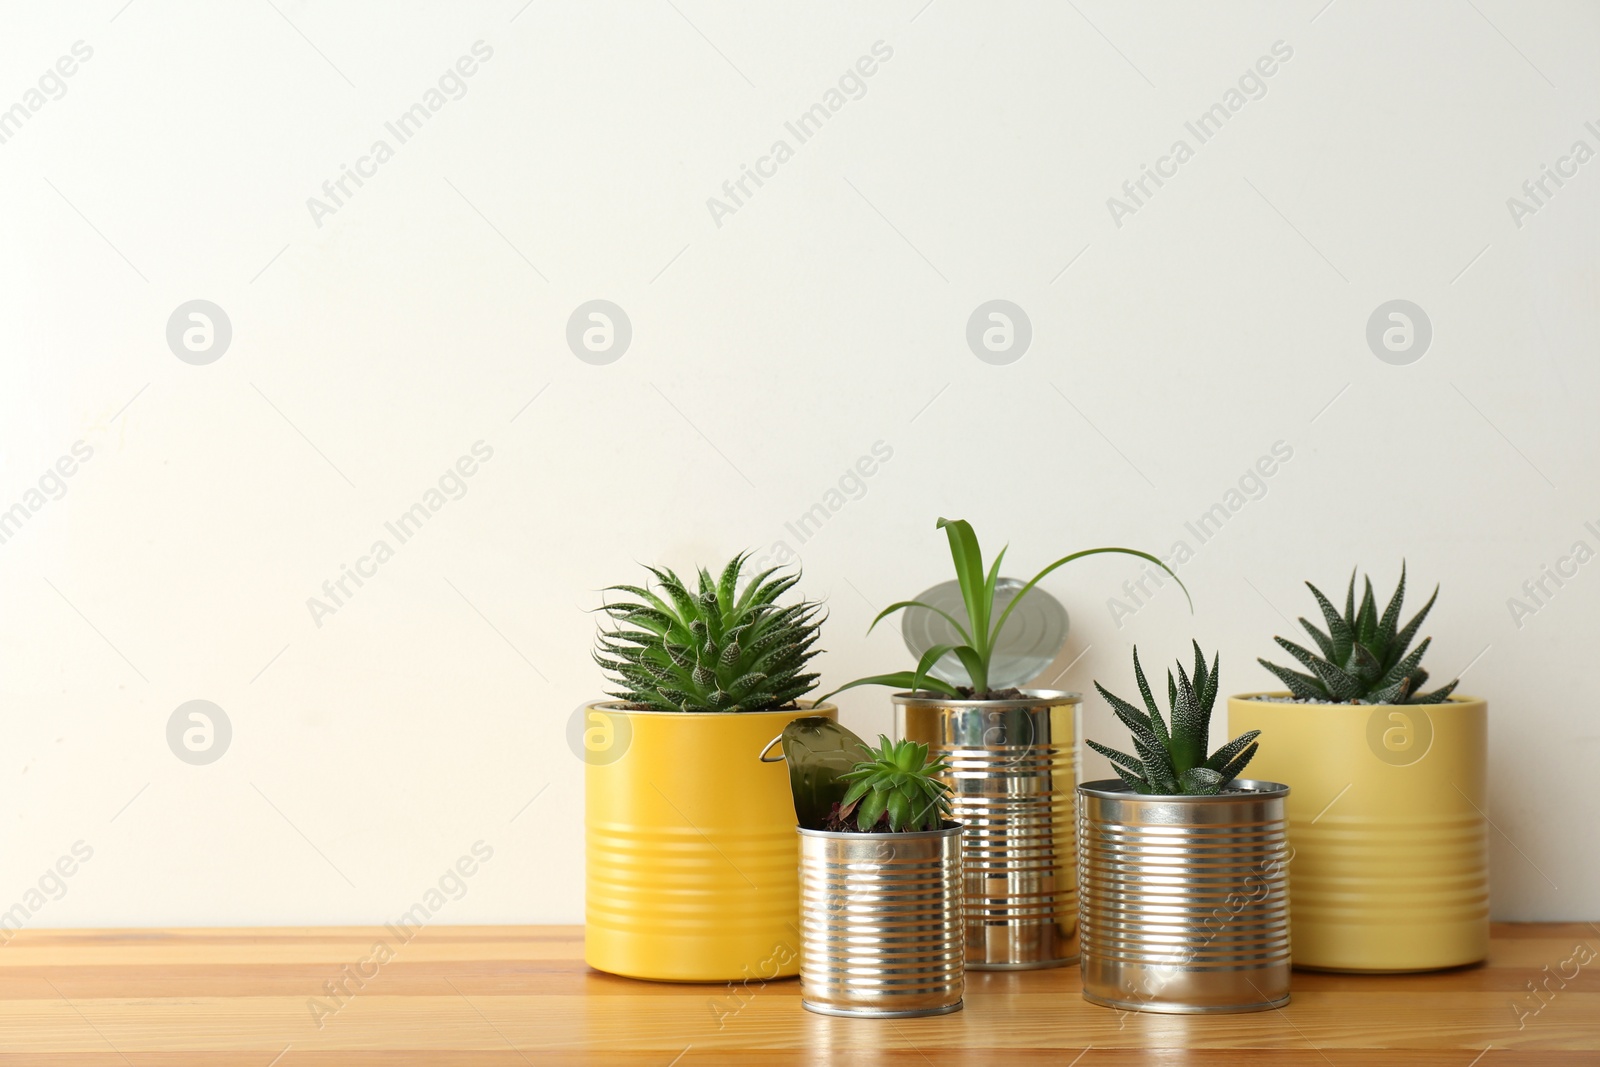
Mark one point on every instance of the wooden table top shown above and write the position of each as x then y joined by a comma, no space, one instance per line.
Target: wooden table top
482,996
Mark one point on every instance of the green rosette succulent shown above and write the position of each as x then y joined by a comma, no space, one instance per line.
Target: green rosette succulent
718,648
896,784
1173,762
1364,658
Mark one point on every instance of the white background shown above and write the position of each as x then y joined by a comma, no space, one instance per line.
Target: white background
826,314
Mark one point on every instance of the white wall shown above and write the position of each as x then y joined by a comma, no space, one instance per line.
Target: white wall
374,346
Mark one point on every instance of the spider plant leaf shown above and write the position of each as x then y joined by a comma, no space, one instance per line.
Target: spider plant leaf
989,584
968,560
977,669
1006,614
929,658
899,680
900,605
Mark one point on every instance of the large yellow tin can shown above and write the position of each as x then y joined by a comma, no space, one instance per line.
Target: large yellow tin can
692,858
1388,825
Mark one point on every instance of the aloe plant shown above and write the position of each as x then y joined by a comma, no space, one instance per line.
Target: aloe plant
1173,762
1364,658
897,785
717,649
982,629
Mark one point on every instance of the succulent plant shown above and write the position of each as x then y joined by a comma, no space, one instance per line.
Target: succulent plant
1174,762
977,595
718,649
896,784
1364,658
819,753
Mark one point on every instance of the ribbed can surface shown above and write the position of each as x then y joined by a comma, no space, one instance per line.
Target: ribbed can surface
1387,823
690,850
1185,900
1013,769
880,923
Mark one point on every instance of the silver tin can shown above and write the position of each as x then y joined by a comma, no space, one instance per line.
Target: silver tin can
880,923
1013,769
1185,899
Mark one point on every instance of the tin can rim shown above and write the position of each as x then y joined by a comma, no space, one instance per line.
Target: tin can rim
1248,789
949,829
1454,700
803,708
1031,698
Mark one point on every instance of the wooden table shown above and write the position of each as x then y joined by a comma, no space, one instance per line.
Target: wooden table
481,996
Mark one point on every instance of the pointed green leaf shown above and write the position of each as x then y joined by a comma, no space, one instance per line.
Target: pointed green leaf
1238,763
1224,755
900,605
1338,629
968,560
1302,686
1200,781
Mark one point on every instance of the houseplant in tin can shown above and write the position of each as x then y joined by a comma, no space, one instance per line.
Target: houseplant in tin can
1182,866
880,875
1011,758
1391,863
691,858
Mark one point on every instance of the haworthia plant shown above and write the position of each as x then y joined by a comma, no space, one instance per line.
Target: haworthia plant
1173,762
1364,658
718,648
897,785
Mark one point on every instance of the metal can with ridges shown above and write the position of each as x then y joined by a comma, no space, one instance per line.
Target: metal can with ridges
1013,768
880,923
1184,899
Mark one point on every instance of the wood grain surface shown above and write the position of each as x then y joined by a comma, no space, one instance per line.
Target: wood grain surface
482,996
